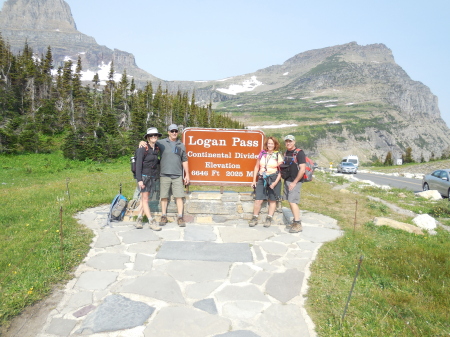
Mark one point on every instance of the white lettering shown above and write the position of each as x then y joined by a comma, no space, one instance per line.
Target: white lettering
207,143
247,143
209,164
245,155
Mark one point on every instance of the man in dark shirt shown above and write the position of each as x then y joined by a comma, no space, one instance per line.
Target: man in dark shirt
293,184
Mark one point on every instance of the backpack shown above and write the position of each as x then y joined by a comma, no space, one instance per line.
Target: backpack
117,209
309,167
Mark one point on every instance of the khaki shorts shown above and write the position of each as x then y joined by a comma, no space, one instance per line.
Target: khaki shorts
292,196
175,183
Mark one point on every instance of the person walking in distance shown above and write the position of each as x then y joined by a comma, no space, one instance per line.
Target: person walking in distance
295,161
147,172
266,180
173,163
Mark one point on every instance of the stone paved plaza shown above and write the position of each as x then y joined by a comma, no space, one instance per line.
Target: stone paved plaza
207,279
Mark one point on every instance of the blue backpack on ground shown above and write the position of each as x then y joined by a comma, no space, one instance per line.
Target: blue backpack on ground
117,209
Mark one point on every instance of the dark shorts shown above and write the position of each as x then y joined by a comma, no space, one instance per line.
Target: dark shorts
266,193
150,184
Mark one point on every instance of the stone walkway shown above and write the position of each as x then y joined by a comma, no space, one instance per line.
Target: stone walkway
217,279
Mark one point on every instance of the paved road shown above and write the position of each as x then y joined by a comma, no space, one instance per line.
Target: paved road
410,184
202,280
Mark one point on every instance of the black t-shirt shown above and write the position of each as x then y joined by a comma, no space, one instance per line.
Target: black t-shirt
147,162
301,159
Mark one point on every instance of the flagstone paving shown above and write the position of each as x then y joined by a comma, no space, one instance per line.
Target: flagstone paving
207,279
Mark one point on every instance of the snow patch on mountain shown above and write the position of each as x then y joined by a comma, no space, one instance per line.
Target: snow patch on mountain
88,75
247,85
271,126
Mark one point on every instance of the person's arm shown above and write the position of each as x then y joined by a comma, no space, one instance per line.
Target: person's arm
186,173
255,173
139,166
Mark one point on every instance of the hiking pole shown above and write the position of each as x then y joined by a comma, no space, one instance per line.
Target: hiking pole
68,192
351,290
61,238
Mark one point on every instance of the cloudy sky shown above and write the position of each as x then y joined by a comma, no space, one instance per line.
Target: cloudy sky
210,39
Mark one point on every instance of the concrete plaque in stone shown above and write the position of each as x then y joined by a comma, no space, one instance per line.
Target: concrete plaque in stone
205,251
283,320
143,262
235,293
186,322
211,207
241,273
116,313
285,286
108,261
155,285
208,305
138,235
61,326
106,239
96,280
199,233
244,234
198,271
144,247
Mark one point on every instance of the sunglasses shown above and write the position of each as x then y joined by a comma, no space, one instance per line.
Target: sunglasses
152,135
173,131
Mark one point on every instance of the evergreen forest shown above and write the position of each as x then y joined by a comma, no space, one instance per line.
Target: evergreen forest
44,109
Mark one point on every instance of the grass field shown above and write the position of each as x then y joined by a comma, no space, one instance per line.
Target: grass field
403,285
34,189
401,289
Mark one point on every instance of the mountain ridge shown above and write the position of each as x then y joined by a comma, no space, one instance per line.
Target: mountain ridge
350,98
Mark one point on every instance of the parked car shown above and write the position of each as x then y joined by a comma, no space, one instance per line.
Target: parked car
347,167
438,180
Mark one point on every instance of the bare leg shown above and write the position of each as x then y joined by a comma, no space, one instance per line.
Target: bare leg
272,207
295,211
257,207
164,206
179,205
144,204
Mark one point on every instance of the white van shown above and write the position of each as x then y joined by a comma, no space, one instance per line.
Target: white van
352,159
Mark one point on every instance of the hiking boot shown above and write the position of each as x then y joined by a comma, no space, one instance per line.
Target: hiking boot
181,222
296,227
138,224
253,222
269,221
163,220
153,225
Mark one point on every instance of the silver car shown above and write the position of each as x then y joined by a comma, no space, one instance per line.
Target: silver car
347,167
438,180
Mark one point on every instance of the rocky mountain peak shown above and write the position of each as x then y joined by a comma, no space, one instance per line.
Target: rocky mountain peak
44,15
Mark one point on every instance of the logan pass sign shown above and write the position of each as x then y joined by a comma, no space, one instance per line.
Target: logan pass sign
222,156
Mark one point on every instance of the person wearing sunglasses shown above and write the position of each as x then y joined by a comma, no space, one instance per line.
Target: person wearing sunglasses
173,163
